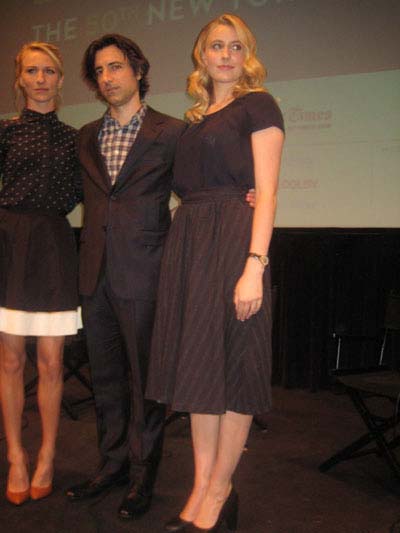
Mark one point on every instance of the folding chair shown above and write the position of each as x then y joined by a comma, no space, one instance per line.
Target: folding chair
362,386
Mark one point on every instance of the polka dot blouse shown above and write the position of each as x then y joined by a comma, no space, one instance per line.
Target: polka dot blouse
38,163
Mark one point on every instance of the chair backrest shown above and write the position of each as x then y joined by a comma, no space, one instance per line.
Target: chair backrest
392,315
390,323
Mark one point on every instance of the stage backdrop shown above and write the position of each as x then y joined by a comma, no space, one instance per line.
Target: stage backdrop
334,67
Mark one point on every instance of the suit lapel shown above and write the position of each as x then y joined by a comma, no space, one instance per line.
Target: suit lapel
148,133
98,169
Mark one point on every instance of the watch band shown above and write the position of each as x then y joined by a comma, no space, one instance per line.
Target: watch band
262,258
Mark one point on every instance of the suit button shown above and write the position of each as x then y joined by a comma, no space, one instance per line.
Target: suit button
113,197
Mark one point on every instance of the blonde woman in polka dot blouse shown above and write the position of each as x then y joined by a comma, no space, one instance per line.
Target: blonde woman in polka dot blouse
38,268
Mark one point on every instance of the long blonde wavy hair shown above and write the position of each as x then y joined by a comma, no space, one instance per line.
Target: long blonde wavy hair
52,51
199,85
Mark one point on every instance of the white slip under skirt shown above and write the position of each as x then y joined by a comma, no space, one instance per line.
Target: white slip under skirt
38,324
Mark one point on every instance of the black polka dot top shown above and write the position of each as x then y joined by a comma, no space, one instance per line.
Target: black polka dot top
38,163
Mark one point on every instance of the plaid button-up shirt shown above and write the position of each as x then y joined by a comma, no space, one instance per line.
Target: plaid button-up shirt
115,140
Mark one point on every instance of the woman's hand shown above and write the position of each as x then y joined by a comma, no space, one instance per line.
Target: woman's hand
249,290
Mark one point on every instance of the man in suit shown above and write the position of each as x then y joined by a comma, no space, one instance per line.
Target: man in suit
127,159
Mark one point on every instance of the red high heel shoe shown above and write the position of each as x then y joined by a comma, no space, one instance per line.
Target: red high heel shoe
17,498
38,493
21,496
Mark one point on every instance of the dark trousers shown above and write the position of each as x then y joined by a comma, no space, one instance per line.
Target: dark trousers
118,335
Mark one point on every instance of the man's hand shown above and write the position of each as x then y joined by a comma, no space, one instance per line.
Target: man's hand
251,198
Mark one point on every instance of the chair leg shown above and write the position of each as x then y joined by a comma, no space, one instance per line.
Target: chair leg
31,384
73,356
73,371
175,415
69,409
347,453
383,447
377,432
383,348
338,349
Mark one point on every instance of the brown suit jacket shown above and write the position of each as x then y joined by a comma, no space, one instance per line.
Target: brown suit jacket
126,224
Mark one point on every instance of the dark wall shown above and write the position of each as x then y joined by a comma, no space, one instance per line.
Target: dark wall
327,281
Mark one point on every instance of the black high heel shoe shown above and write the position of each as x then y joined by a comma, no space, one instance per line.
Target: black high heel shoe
228,514
177,524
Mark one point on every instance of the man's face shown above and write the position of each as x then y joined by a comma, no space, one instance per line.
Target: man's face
117,82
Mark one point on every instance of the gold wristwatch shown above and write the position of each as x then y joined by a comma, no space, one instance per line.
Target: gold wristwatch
262,258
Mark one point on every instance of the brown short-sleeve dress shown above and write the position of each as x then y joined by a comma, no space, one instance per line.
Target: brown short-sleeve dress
203,359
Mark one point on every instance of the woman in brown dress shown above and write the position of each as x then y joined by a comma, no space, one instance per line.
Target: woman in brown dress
211,351
38,271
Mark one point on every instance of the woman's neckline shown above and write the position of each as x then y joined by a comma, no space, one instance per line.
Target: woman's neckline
222,108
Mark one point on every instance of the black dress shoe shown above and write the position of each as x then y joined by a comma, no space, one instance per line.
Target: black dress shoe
176,524
97,485
136,502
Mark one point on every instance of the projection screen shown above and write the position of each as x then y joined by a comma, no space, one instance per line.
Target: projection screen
334,67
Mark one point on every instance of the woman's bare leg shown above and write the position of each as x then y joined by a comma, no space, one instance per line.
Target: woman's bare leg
50,388
233,433
205,432
12,363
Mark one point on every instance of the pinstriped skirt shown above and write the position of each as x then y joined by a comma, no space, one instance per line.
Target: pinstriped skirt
203,359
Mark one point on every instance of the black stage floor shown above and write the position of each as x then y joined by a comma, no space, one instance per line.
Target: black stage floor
280,487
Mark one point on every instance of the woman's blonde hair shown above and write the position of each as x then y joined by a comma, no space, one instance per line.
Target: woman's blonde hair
199,85
36,46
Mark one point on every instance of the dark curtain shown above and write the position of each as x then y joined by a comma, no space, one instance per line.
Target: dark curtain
329,281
